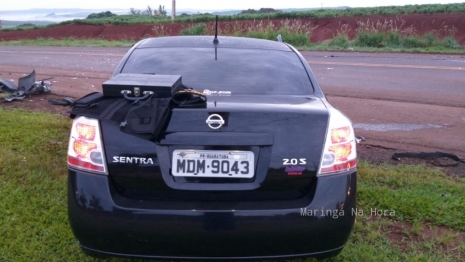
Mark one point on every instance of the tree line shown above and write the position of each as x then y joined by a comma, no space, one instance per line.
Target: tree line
147,12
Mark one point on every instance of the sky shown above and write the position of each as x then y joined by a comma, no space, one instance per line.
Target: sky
203,4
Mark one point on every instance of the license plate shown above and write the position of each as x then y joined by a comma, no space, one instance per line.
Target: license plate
212,163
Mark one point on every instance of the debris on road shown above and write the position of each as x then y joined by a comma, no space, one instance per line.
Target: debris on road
434,158
67,101
27,85
360,139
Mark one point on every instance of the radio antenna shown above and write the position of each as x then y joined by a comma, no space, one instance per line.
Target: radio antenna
215,41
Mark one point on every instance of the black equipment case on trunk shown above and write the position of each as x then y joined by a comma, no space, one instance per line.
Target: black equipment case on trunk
137,85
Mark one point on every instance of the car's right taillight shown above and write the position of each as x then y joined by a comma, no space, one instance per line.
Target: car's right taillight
340,153
85,150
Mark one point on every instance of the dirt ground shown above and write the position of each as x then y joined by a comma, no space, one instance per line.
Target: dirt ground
444,24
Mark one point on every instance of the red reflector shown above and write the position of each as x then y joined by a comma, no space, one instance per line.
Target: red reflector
83,148
86,131
341,151
340,167
339,135
84,165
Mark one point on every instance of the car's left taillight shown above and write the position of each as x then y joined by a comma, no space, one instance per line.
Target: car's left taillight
85,150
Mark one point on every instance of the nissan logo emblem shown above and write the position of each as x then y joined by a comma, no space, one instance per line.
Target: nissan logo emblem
215,121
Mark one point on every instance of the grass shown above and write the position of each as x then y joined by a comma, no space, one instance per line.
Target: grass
198,29
434,49
34,216
293,31
387,36
414,193
34,221
338,43
391,36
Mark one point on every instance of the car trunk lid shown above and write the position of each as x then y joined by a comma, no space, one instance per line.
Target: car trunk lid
283,134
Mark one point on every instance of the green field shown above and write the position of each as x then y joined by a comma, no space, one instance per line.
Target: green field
424,206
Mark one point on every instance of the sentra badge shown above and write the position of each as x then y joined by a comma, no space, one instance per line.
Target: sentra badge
132,160
215,121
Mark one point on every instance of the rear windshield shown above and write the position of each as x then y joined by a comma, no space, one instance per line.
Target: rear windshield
237,71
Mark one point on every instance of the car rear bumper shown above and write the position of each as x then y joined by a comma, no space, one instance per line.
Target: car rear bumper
320,228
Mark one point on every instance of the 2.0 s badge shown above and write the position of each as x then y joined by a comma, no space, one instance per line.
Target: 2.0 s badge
294,161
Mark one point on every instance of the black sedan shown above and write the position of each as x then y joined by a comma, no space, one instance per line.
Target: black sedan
203,149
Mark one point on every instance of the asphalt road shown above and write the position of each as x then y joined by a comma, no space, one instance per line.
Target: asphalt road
71,58
411,102
419,78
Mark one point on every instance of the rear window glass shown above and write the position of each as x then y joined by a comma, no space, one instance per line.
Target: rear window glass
239,71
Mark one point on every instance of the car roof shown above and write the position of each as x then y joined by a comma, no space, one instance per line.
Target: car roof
207,41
